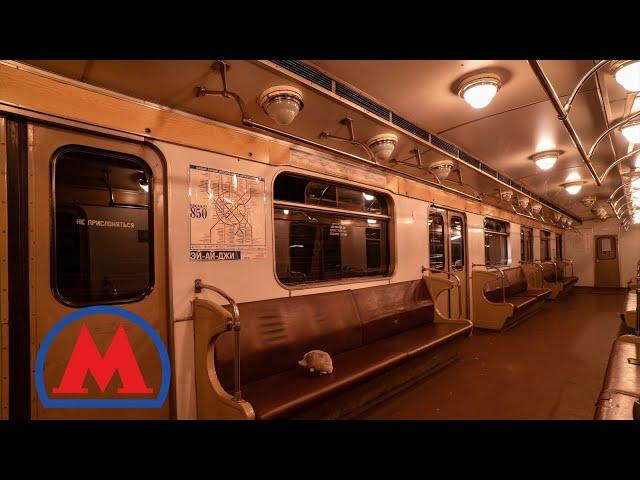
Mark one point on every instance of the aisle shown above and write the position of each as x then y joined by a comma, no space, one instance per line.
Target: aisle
549,367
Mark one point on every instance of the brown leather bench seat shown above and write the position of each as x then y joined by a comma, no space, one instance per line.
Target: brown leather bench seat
367,332
516,292
621,386
628,315
553,274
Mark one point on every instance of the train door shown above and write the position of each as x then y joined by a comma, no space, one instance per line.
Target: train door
447,252
607,273
97,238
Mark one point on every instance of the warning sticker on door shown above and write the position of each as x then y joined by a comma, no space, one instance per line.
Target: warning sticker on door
227,215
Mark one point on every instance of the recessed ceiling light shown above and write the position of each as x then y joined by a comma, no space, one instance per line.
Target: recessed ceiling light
628,75
282,103
574,183
383,145
479,90
545,160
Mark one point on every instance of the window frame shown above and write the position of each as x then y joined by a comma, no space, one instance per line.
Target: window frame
526,237
389,217
53,213
506,234
559,242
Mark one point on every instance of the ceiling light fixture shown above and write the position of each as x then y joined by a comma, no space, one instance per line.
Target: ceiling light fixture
506,195
574,183
479,90
282,103
383,145
545,160
536,207
441,169
631,132
523,202
628,75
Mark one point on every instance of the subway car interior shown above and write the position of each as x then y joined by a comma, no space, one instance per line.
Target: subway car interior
320,239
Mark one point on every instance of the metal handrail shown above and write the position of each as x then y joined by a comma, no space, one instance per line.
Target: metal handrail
233,325
504,295
458,286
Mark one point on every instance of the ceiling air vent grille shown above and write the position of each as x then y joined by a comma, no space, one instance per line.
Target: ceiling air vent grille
305,71
465,157
489,170
446,146
353,96
409,127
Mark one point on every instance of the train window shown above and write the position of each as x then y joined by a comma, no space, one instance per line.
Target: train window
457,243
326,232
103,239
526,244
545,252
436,241
496,242
559,246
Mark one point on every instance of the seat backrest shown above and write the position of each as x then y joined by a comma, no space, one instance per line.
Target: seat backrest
550,272
514,281
276,333
386,310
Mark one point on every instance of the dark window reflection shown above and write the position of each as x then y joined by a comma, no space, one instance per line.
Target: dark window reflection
545,252
103,245
457,243
436,241
526,244
317,246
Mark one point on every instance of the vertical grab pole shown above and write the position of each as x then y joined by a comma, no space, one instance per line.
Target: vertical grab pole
235,325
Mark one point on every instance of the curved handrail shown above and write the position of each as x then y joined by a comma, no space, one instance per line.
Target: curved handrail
458,286
504,295
235,326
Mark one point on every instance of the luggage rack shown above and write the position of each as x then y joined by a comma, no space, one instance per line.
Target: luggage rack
563,111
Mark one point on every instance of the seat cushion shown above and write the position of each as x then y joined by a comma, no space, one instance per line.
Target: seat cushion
522,303
569,281
276,333
387,310
534,292
622,376
282,395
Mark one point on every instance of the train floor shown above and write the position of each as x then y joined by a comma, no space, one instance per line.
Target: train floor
549,367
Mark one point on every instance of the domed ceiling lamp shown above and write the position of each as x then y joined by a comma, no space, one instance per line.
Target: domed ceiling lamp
573,183
383,145
628,75
545,160
479,90
282,103
441,169
631,131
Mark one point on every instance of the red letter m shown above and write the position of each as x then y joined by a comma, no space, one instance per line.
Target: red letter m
86,358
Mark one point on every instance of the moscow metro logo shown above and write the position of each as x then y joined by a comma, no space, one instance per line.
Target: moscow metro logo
86,359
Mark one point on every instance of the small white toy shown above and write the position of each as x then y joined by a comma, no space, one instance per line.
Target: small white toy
317,361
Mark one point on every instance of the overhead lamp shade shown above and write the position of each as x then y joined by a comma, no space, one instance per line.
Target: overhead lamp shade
479,90
536,208
628,75
631,132
557,217
441,169
383,145
506,195
573,188
282,103
546,160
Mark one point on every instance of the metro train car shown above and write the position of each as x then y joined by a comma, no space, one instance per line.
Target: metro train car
319,239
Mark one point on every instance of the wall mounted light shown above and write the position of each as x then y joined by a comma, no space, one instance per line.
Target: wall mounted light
506,195
523,202
545,160
479,90
383,145
441,169
631,132
557,217
569,222
282,103
588,201
536,208
628,75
